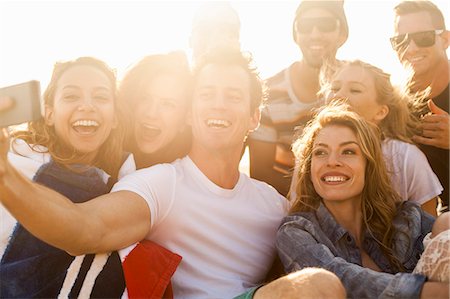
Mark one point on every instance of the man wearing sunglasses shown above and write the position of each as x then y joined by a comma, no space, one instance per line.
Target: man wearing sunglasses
421,41
319,29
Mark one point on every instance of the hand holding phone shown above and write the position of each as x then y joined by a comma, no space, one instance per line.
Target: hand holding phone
20,103
6,103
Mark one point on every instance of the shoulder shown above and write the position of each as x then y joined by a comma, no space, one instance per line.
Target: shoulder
128,166
410,217
27,158
267,193
395,147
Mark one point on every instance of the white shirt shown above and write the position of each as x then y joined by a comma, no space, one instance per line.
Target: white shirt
225,237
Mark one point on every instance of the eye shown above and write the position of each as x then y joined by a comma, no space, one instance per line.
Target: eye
168,103
102,98
348,152
334,89
71,97
205,95
234,97
356,90
319,153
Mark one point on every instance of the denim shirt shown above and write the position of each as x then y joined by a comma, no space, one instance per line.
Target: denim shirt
315,239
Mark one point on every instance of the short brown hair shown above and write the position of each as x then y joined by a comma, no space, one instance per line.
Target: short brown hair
231,56
408,7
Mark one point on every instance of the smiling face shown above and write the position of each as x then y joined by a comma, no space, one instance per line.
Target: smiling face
357,85
82,113
423,60
221,116
317,46
160,114
337,165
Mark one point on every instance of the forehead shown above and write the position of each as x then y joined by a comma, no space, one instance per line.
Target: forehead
84,74
223,76
316,13
413,22
335,134
354,73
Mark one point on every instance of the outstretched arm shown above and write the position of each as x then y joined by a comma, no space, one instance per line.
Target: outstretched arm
106,223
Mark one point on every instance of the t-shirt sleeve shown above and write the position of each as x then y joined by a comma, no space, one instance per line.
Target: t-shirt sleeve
423,183
155,185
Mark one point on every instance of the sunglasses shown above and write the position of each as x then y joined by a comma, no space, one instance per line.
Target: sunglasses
421,39
325,25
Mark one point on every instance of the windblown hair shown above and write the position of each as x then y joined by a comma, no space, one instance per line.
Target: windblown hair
378,198
38,134
232,56
408,7
131,93
399,123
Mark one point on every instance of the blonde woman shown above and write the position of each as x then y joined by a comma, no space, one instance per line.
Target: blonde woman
370,93
347,218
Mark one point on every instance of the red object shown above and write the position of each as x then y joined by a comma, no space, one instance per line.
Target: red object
148,269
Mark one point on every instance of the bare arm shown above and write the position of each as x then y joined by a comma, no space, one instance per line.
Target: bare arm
262,160
106,223
435,290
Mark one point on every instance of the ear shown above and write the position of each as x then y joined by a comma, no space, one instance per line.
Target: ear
254,120
49,115
115,122
341,40
446,39
381,114
189,117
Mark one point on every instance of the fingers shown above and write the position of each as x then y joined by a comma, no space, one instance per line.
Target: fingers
5,103
435,109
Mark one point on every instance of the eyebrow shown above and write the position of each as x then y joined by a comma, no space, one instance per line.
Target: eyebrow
352,82
342,144
95,88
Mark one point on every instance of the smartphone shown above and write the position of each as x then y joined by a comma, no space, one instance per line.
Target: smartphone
27,103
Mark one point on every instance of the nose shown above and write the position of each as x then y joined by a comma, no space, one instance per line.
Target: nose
333,160
152,109
315,32
219,101
87,104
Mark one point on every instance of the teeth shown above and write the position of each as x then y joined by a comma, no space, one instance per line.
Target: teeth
335,179
85,123
151,127
415,59
218,123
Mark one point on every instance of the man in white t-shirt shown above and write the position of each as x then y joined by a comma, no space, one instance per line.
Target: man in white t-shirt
220,221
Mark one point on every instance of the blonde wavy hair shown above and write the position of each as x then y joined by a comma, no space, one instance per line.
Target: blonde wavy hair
399,123
38,134
378,198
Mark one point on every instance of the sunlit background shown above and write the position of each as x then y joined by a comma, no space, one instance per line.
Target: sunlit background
35,34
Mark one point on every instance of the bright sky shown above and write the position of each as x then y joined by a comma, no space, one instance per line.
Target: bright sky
35,34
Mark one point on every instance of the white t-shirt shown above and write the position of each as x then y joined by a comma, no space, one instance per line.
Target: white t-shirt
28,162
411,174
226,237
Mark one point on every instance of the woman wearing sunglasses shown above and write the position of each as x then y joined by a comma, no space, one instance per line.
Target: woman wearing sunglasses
346,217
